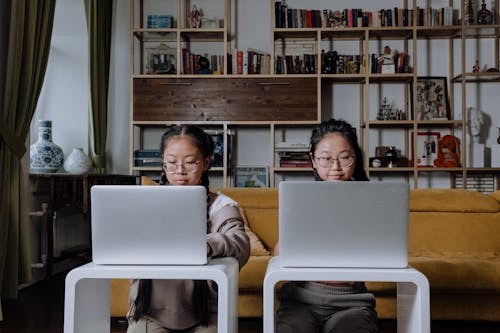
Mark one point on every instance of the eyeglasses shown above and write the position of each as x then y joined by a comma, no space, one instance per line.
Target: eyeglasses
189,167
327,162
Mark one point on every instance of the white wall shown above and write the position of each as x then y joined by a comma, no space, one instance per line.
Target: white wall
64,96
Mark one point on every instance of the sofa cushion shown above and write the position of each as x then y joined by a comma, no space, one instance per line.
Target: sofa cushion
459,272
452,200
252,274
496,195
256,246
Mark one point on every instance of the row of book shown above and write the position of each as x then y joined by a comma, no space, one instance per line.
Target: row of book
294,159
251,61
295,64
334,63
286,17
211,64
343,64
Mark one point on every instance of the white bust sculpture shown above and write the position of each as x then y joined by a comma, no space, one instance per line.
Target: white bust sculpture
476,120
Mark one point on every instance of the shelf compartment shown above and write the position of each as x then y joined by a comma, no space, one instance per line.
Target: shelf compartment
296,33
483,77
155,35
391,78
344,78
391,170
343,33
205,35
439,123
453,31
388,123
390,32
223,99
481,31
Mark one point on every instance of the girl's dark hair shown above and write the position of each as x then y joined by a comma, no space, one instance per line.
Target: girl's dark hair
347,131
200,298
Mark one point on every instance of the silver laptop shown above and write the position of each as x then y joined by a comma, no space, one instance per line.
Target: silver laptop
149,225
343,224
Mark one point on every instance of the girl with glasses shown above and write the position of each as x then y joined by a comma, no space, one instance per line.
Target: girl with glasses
189,306
329,306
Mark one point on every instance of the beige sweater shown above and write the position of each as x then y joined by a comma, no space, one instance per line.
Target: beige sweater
171,303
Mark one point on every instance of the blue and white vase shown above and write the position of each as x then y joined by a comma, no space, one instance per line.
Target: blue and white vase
45,156
77,162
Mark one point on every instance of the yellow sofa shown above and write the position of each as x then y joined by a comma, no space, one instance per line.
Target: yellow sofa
454,239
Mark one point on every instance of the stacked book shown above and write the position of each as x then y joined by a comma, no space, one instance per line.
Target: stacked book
147,158
293,154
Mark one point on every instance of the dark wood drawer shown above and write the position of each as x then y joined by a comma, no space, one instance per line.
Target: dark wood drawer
225,99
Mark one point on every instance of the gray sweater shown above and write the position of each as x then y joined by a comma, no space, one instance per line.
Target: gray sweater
171,300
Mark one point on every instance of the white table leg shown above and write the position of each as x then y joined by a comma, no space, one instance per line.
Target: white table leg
413,306
89,312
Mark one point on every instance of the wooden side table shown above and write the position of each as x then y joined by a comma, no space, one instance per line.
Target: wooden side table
61,190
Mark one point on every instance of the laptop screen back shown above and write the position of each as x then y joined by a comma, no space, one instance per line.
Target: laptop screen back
149,225
343,224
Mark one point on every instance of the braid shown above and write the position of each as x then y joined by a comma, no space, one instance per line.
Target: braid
143,299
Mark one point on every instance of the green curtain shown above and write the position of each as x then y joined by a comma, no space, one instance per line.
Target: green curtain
27,54
99,18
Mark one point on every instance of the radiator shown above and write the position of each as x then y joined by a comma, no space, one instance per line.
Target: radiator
71,229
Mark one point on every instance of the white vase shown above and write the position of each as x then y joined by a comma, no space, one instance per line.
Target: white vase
77,162
45,155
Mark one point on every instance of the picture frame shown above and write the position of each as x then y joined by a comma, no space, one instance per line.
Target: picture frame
251,176
161,60
425,150
431,101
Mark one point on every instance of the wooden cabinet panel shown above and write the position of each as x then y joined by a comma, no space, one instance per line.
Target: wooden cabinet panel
225,99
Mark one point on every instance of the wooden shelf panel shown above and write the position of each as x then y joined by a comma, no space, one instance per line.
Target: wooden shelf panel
439,32
439,123
483,77
390,32
344,78
391,78
222,99
388,123
481,31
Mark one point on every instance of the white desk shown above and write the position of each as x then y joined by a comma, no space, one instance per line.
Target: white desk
86,300
412,290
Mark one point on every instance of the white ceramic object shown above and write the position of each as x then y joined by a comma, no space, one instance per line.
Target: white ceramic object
77,162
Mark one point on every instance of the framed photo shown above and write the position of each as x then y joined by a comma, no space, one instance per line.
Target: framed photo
251,176
425,150
161,60
431,100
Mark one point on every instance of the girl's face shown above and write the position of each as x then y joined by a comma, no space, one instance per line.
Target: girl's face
332,157
183,162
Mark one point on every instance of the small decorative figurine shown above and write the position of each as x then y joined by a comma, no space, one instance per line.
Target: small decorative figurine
195,17
475,68
484,16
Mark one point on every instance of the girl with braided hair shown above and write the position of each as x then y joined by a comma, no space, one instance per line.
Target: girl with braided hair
189,306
